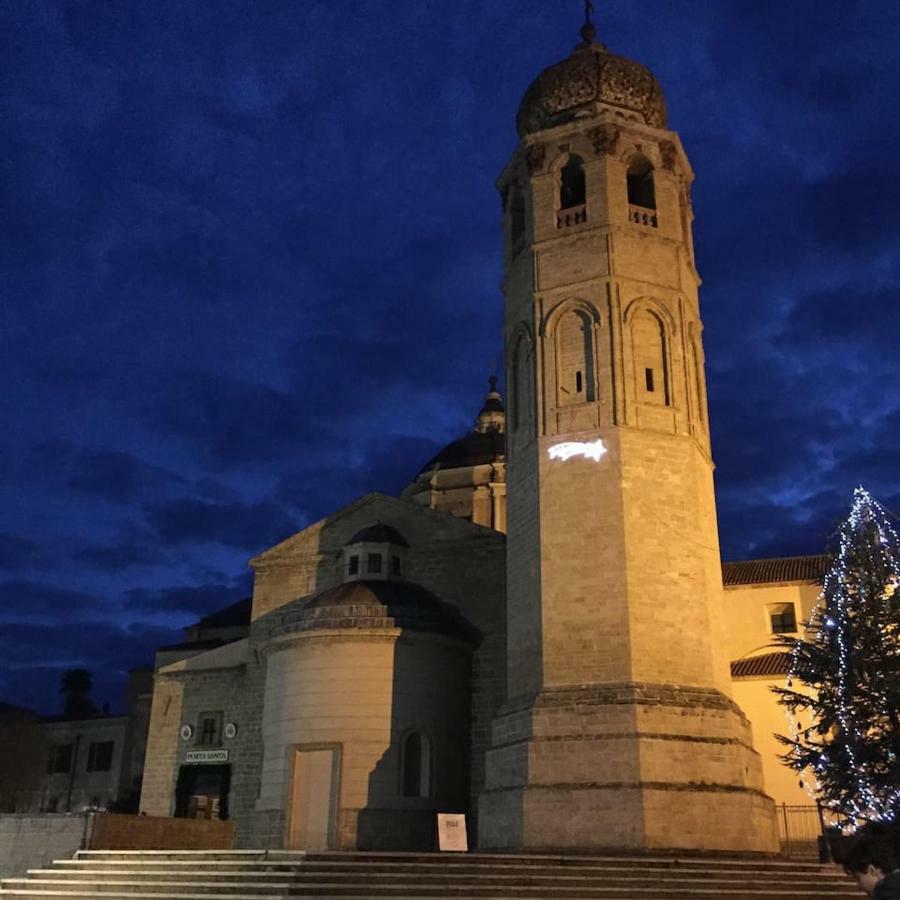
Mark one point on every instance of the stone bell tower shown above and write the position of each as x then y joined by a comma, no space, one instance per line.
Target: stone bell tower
619,730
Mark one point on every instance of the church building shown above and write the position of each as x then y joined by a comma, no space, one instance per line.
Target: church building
536,633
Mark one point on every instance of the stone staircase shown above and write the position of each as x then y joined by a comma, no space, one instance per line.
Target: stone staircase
265,875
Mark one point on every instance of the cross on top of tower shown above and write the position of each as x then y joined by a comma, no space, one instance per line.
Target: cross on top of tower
588,30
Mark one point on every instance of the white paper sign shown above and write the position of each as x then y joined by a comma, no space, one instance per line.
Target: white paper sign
452,833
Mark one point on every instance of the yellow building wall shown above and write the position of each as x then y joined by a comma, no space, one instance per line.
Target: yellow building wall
755,698
747,614
749,634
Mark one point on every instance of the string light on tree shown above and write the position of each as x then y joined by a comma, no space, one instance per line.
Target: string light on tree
843,691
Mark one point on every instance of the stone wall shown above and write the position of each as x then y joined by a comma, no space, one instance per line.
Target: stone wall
363,693
34,841
182,695
461,563
114,832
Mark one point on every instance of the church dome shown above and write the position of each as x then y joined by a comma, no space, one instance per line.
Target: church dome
591,75
478,448
481,447
378,605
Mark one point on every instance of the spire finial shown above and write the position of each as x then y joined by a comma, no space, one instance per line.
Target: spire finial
588,30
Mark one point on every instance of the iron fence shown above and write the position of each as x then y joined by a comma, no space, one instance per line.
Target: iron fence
802,832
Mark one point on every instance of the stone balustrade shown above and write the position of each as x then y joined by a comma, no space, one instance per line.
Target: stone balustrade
641,216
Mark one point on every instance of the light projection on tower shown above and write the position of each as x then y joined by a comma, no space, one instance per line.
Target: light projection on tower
594,450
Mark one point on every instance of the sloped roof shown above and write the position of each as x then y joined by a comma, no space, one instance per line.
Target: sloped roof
775,571
768,664
10,710
231,616
225,657
379,534
376,605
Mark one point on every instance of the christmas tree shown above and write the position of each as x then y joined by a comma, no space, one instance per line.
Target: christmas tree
843,691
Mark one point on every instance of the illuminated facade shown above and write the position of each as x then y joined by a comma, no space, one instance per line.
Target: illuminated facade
567,686
618,687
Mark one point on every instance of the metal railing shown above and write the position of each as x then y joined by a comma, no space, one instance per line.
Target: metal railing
802,832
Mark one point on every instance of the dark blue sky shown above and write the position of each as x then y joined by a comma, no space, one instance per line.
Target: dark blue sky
250,267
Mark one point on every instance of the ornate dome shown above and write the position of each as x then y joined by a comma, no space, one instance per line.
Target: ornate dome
590,75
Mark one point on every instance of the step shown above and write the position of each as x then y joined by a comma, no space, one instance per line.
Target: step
161,865
555,862
611,892
326,889
272,875
459,871
238,857
556,858
129,886
637,878
467,862
143,875
180,895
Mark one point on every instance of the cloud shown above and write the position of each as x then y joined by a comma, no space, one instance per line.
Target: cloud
17,552
128,554
200,600
35,656
242,288
112,475
244,526
864,316
28,599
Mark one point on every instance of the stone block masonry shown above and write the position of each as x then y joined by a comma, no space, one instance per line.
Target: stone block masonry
34,841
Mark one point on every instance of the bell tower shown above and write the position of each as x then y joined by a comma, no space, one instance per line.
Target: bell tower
619,730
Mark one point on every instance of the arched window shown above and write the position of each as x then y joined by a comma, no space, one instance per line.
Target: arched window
641,189
571,183
416,765
516,220
574,359
651,362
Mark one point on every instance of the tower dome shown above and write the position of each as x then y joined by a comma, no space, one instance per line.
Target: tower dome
590,78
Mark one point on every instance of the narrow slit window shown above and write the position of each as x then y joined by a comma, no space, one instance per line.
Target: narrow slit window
648,374
353,566
517,220
210,729
578,382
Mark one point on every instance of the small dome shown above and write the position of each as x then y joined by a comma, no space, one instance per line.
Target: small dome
378,534
378,604
478,448
590,75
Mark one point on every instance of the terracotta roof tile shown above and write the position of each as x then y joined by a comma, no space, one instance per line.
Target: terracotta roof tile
769,664
775,571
